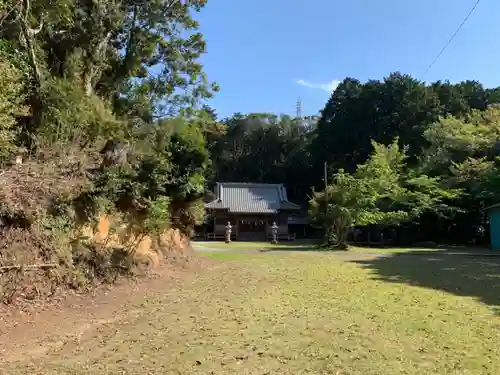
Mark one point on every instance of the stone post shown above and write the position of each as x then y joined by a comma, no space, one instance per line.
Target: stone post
274,231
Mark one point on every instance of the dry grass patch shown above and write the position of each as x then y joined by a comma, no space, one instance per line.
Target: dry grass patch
296,313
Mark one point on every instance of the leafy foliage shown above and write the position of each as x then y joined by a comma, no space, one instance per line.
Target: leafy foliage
398,106
464,152
73,118
160,188
381,191
11,106
138,60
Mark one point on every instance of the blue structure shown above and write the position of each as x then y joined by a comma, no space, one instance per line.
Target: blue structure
494,219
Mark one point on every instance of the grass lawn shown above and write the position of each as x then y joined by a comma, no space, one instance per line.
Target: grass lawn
302,313
305,245
249,245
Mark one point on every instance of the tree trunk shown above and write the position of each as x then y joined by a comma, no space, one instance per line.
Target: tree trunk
93,65
28,34
87,81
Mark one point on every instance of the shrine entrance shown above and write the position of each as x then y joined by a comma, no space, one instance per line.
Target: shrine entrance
252,229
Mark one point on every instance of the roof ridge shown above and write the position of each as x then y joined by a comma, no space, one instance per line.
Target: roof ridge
252,197
251,183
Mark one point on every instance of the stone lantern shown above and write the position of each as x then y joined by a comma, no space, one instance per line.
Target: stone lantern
21,155
274,232
229,228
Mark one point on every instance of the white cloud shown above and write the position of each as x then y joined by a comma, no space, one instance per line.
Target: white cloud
329,87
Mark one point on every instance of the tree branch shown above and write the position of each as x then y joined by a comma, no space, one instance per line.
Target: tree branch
10,11
37,30
28,34
31,267
130,40
93,64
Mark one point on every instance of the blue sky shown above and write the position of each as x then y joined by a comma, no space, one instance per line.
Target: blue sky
265,53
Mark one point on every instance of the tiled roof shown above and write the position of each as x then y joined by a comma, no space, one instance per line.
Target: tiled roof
241,197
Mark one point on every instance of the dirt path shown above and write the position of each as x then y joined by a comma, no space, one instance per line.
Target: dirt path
33,330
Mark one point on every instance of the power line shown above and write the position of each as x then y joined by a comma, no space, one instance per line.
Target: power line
452,37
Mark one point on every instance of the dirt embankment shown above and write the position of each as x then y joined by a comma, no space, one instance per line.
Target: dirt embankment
47,250
30,328
42,274
171,244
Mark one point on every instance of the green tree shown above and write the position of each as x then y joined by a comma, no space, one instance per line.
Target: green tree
464,152
138,58
90,71
261,147
398,106
382,191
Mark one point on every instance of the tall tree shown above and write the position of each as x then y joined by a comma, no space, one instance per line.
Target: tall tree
140,56
398,106
383,191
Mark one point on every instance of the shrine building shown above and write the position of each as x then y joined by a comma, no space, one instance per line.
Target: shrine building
251,208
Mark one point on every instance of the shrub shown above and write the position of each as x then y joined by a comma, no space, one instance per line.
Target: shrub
72,117
12,98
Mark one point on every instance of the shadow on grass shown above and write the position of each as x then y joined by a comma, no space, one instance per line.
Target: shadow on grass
462,274
309,247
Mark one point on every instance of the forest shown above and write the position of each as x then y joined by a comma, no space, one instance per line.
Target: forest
418,161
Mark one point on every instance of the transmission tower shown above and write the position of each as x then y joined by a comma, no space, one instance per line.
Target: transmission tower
298,109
